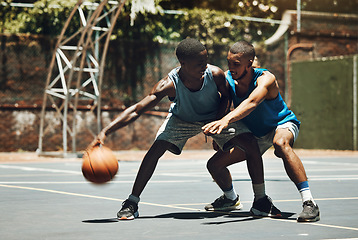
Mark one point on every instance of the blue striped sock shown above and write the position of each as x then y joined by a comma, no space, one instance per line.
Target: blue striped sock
305,191
302,186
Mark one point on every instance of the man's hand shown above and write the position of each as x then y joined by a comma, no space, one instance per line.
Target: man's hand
215,127
99,140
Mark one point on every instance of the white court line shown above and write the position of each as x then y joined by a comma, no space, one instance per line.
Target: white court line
40,169
320,199
23,168
90,196
333,169
169,206
284,200
322,225
349,167
322,178
340,239
191,174
322,163
113,181
310,178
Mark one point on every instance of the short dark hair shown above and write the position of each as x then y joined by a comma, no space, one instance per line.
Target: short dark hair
189,48
243,47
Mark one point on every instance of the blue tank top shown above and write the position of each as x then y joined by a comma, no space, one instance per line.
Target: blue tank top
198,106
268,114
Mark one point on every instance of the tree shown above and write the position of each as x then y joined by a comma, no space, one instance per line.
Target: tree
208,20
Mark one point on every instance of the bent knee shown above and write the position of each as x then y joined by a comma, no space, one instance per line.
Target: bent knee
215,164
209,165
212,165
282,146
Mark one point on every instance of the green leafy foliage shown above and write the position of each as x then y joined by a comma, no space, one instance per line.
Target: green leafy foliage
45,17
211,21
205,20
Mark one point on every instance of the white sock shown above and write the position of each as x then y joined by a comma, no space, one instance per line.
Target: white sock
231,194
306,196
259,191
305,192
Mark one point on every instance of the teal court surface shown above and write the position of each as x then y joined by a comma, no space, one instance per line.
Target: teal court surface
47,198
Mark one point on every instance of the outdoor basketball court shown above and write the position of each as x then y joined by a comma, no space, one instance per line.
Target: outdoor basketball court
49,199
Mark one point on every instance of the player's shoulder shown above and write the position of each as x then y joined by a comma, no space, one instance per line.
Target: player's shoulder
266,74
216,71
267,79
165,83
164,86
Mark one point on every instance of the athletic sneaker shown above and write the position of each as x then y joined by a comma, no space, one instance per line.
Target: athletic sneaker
264,207
310,212
224,204
129,211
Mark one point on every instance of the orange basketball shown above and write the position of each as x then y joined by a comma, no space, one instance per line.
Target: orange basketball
99,165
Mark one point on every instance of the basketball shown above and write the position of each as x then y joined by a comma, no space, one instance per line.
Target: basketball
99,165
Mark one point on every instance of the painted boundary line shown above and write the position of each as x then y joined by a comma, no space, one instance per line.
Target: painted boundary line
197,174
171,206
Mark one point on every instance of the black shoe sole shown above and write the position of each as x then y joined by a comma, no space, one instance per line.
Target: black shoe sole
258,213
315,219
135,215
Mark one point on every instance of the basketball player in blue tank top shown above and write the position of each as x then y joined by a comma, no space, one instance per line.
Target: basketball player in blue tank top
258,103
200,95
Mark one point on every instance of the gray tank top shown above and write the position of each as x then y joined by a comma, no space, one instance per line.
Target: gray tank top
198,106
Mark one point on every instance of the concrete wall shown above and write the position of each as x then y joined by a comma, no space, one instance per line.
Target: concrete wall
324,98
24,61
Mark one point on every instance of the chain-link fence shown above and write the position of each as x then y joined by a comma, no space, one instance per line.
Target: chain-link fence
132,68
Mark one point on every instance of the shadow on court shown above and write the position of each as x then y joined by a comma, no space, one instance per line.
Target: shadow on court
51,200
238,216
